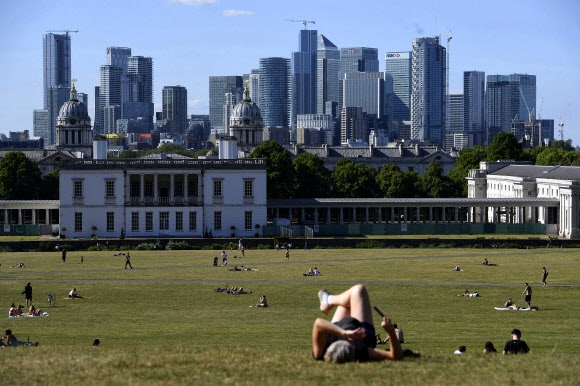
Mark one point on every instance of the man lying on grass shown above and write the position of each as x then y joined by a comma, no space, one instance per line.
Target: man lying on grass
351,334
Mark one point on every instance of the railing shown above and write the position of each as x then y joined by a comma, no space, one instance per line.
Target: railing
163,201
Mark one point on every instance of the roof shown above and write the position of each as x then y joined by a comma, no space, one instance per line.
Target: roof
535,171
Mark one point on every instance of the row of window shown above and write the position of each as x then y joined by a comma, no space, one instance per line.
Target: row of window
163,221
148,188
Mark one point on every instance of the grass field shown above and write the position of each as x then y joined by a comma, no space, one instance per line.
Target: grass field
162,322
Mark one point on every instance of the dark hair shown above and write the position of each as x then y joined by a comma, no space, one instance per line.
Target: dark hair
462,348
8,332
517,333
489,347
96,342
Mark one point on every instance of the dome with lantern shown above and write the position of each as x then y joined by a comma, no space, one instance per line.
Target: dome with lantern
246,113
73,111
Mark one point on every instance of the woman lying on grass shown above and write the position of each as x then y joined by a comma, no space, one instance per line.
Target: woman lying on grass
351,334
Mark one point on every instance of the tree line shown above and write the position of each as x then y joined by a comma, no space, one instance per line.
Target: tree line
305,176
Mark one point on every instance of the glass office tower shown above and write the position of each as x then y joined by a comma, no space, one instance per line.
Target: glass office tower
174,106
398,64
428,88
56,78
356,59
219,86
327,68
508,97
474,106
304,75
274,86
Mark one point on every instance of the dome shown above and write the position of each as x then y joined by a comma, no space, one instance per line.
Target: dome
74,108
246,109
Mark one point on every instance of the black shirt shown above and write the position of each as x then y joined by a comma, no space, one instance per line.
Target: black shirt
516,347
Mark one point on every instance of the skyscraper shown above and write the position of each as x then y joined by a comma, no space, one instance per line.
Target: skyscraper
109,96
119,56
304,75
508,97
367,90
428,99
474,106
398,64
327,68
174,106
218,87
455,135
139,103
356,59
56,82
275,84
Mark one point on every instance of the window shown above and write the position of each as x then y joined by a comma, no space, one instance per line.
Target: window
78,221
248,220
110,221
135,221
135,189
248,187
148,221
178,188
148,187
78,188
110,188
217,221
179,221
192,185
192,221
163,221
217,188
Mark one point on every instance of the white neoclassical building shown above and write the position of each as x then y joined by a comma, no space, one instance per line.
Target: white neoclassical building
162,197
508,179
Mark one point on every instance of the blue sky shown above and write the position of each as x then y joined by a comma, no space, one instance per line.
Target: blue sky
190,40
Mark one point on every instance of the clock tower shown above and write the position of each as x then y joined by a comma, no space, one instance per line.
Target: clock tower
73,128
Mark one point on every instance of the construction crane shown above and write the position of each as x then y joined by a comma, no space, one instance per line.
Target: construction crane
305,22
541,108
66,31
448,38
531,119
561,122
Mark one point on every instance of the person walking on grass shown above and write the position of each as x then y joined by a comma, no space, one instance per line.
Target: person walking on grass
527,295
28,294
350,336
544,276
128,261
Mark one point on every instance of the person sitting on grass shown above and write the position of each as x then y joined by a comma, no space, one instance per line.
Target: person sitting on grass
32,311
350,336
12,311
485,262
11,340
510,304
73,294
460,350
316,272
19,311
263,302
516,346
471,295
489,348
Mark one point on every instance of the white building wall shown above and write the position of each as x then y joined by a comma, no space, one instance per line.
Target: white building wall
94,205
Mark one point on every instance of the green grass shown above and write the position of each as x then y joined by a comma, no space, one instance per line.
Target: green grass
162,323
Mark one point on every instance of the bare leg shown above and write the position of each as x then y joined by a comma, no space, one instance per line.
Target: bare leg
353,302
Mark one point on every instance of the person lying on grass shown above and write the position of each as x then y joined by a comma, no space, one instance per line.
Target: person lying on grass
350,336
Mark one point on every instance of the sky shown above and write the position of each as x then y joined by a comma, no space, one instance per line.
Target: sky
191,40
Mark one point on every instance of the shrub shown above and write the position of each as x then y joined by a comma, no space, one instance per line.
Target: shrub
370,244
4,248
147,247
45,246
178,246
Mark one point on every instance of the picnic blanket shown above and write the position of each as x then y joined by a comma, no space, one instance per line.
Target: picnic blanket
29,316
519,309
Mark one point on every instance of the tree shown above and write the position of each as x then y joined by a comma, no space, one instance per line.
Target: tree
564,145
352,180
50,189
386,180
433,183
469,158
312,176
281,176
20,177
505,146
